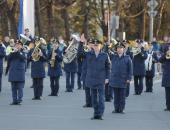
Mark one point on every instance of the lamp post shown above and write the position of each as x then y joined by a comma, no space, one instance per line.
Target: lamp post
152,13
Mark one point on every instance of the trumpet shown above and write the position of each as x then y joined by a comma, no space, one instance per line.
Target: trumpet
13,49
168,55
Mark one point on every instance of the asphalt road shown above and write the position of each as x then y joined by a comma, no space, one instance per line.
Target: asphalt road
65,112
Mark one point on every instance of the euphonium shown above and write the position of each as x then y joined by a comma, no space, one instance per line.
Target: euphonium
36,52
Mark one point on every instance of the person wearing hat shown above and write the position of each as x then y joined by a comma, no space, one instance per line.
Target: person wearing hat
121,75
139,70
108,91
28,35
150,67
37,70
129,53
16,65
2,55
54,68
70,71
88,97
96,69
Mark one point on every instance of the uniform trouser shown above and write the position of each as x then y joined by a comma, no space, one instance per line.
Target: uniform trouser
0,81
38,87
98,101
17,91
79,80
127,89
88,97
54,84
138,83
70,84
108,92
167,96
149,83
119,98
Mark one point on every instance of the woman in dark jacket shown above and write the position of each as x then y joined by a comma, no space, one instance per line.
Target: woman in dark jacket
54,68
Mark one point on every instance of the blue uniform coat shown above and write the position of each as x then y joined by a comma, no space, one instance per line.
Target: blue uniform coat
96,69
166,71
55,71
139,64
121,71
17,66
38,67
2,55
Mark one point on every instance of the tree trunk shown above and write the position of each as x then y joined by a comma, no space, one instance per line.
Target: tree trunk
50,20
64,15
144,20
160,18
4,24
85,27
38,17
11,20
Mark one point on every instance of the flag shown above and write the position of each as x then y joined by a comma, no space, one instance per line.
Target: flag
26,17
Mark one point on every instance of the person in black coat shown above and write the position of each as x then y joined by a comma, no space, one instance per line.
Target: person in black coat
83,51
38,71
121,75
16,67
108,89
54,68
150,68
70,70
2,55
165,59
96,71
139,69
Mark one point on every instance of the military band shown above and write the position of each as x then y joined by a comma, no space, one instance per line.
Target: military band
104,72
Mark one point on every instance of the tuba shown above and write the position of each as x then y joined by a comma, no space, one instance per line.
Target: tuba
36,52
24,40
72,49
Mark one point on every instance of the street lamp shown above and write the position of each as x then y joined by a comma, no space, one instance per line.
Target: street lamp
152,13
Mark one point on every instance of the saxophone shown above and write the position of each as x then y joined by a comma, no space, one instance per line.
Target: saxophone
52,60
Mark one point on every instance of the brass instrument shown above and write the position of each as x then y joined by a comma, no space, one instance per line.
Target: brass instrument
36,52
168,55
112,45
72,49
13,49
24,38
135,49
